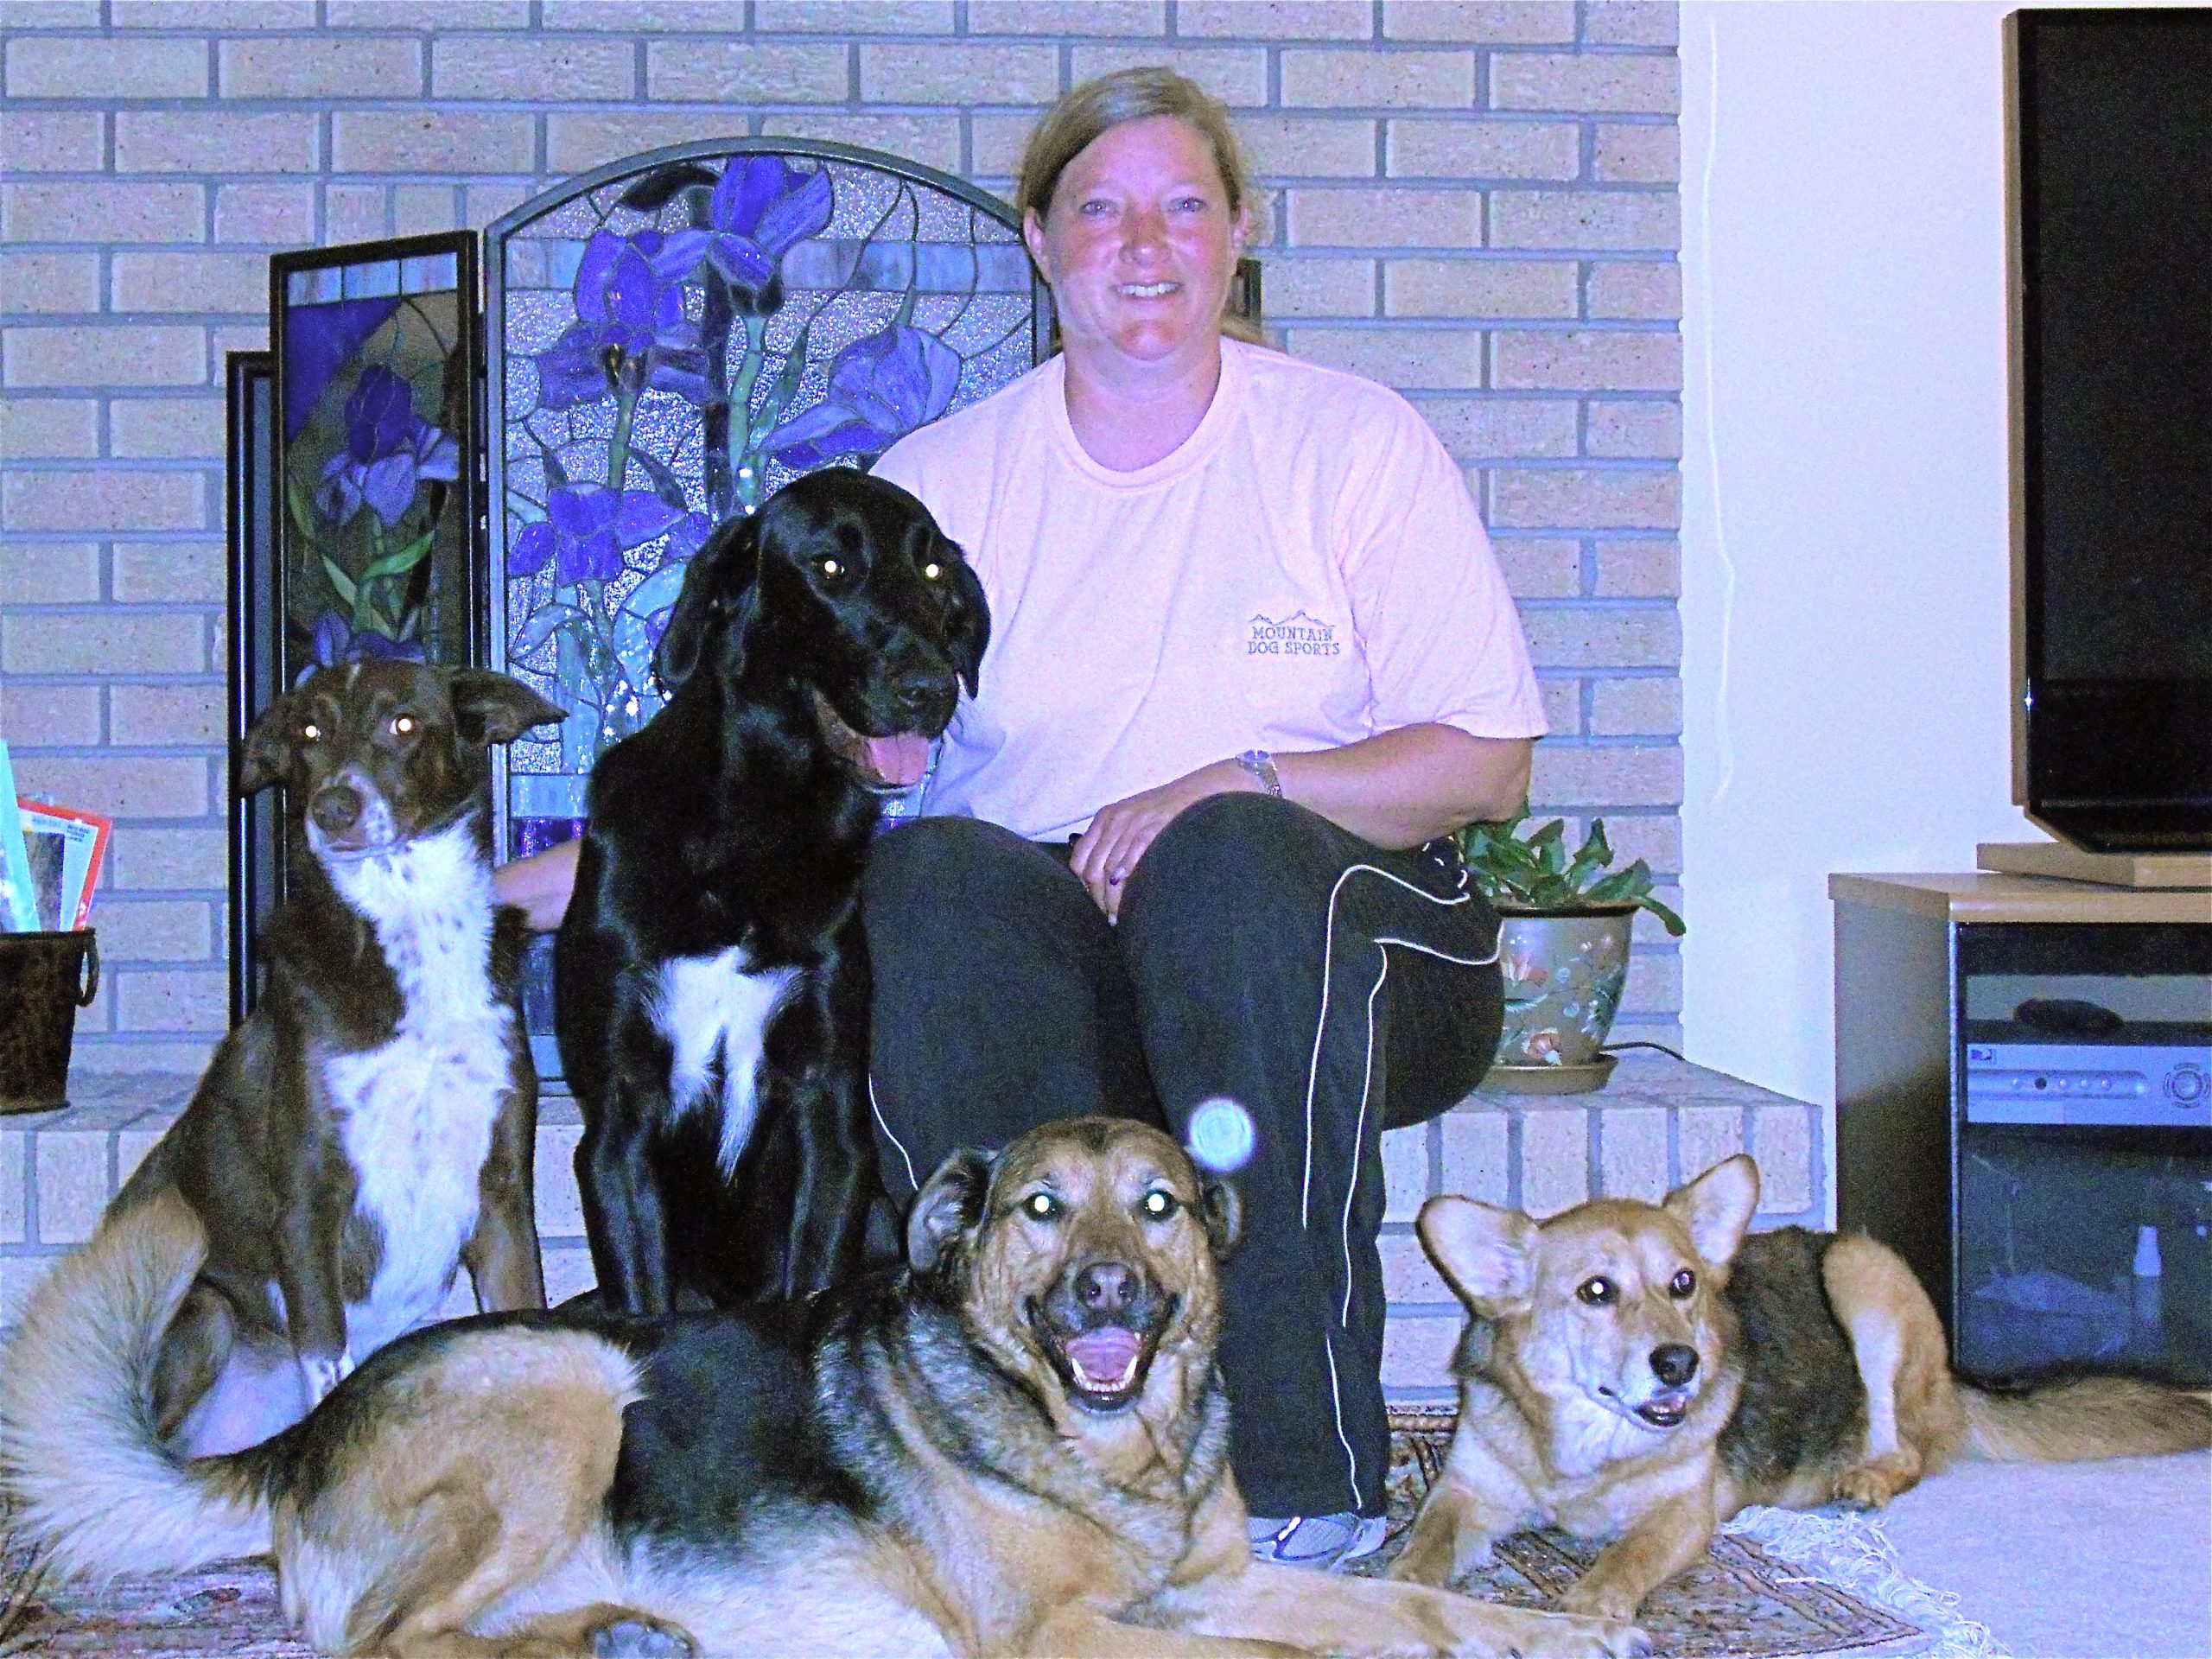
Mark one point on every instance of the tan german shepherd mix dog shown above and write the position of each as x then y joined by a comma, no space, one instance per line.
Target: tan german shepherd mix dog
1641,1371
1016,1444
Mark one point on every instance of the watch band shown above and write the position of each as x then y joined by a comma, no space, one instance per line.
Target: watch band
1261,765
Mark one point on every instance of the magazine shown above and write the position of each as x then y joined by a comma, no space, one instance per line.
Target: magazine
18,900
66,848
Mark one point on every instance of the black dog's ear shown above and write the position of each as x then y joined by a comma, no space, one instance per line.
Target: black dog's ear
492,707
1223,1213
716,592
971,620
949,1206
266,755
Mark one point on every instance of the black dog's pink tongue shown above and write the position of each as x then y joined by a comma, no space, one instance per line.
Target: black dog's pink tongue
1104,1358
898,761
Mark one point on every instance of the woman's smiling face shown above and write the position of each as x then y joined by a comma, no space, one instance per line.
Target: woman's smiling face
1140,244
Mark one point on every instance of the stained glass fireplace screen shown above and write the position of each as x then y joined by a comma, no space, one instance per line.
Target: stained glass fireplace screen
671,340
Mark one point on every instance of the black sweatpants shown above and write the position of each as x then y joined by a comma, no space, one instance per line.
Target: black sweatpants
1263,954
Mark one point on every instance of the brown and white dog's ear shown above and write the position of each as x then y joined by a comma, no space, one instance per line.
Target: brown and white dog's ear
270,742
490,707
1717,1207
949,1207
1487,1254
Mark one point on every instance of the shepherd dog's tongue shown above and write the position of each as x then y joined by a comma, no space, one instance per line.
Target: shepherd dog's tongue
1104,1359
898,761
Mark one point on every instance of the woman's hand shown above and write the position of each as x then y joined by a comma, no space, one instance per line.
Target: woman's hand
1107,852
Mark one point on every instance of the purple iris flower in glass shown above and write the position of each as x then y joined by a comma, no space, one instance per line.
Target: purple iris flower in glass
630,332
388,450
882,387
762,207
585,530
334,642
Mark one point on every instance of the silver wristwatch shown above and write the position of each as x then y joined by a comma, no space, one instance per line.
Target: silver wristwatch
1261,765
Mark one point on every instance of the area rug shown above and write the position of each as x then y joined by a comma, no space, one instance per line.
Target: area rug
1776,1586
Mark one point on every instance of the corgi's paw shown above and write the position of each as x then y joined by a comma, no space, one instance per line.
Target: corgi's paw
1438,1559
1595,1600
1562,1636
1870,1486
641,1638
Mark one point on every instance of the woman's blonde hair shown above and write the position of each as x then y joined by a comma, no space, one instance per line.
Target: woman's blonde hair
1087,111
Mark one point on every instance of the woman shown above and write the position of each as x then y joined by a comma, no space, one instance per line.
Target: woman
1251,661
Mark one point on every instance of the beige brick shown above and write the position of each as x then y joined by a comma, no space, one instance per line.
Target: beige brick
164,717
355,212
52,141
1603,636
932,140
1477,1156
1608,776
1291,287
19,1278
1594,219
1482,428
1602,82
645,16
170,860
51,574
735,71
1277,20
482,203
959,74
94,211
1478,288
107,641
1462,149
327,65
1704,1136
215,141
139,1053
1487,22
116,355
49,428
1641,290
1235,74
428,14
103,500
418,209
156,929
1636,708
1072,17
1648,428
1655,969
568,1273
1405,1172
1417,1352
548,68
996,141
15,1186
1629,22
1308,146
190,282
1562,701
279,215
1657,841
131,1146
1645,153
1540,568
48,282
1408,1274
1595,360
49,716
1632,1152
1594,500
1639,570
575,143
1554,1160
1398,80
1782,1141
72,1186
148,573
110,69
1386,219
431,141
853,16
560,1209
1443,357
172,999
214,14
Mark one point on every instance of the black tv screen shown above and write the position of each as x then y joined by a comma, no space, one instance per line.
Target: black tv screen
2112,249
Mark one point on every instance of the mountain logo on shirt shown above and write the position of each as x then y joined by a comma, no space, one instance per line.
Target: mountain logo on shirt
1295,635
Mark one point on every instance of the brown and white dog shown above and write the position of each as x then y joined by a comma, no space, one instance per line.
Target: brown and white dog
370,1127
1640,1372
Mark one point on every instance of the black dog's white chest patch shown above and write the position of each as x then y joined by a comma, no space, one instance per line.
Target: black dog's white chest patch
713,1008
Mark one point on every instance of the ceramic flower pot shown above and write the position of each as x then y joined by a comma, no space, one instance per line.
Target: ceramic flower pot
1564,973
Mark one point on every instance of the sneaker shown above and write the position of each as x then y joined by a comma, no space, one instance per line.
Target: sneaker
1323,1541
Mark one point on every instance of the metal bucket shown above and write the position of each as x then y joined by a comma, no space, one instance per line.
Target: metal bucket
44,979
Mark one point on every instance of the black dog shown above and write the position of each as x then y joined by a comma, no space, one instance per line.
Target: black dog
711,993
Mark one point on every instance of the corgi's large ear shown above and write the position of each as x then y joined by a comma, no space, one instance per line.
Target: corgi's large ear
1717,1207
270,742
948,1209
492,707
1485,1253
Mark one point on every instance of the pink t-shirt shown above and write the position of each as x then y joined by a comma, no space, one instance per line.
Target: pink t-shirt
1305,570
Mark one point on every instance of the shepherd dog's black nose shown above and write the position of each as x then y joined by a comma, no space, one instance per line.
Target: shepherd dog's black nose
1675,1363
336,808
1105,1287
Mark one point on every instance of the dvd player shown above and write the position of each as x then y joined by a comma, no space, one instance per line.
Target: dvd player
2163,1079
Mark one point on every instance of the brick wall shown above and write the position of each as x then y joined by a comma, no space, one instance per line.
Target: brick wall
1475,202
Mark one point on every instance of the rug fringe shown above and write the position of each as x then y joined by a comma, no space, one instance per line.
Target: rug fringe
1851,1553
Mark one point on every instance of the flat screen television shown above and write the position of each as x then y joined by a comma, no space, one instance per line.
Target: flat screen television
2110,150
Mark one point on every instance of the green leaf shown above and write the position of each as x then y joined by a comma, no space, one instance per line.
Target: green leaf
400,560
302,508
539,628
340,584
1674,923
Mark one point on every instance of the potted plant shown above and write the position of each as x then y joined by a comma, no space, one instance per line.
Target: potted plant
1563,947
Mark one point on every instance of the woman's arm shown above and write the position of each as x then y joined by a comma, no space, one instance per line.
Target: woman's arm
1396,789
539,886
